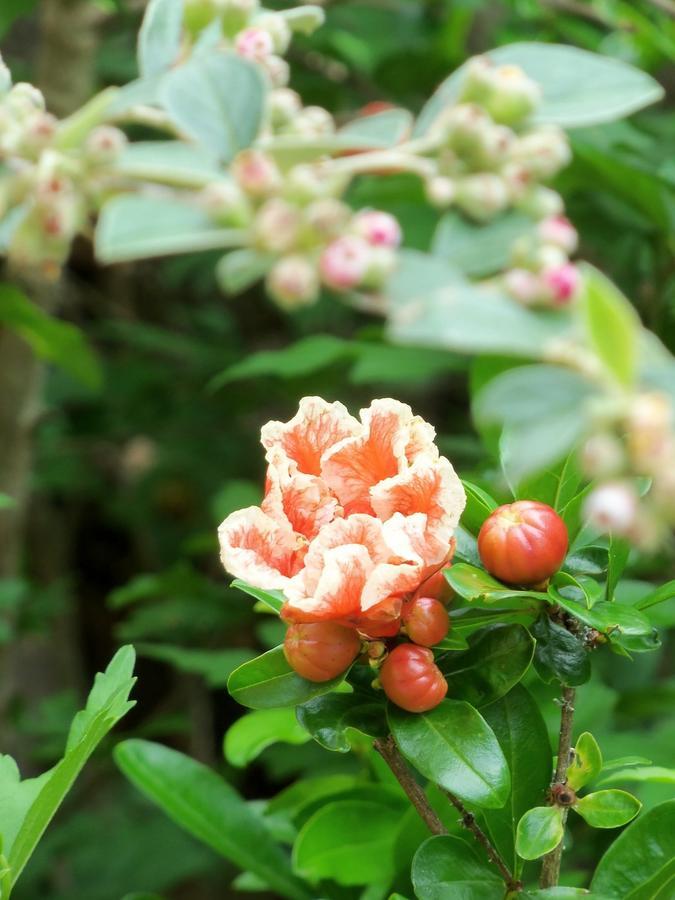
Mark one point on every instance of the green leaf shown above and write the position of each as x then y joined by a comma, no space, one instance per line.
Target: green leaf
498,657
168,162
559,655
378,131
446,866
619,550
304,19
239,270
348,841
454,747
641,861
539,831
608,809
268,681
159,36
523,737
481,249
58,342
659,595
641,775
7,502
579,88
466,549
432,304
218,99
27,807
257,730
479,505
626,626
329,718
137,227
198,800
612,326
474,584
273,599
586,762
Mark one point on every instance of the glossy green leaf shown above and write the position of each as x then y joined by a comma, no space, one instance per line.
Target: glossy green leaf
329,718
612,325
559,655
586,762
497,659
27,807
133,227
608,809
268,681
523,737
539,831
475,585
218,99
348,841
622,624
641,775
58,342
160,35
446,866
454,747
246,739
198,800
273,599
619,550
479,249
479,505
659,595
640,864
579,88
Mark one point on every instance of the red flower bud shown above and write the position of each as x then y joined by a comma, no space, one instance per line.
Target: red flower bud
426,621
322,650
523,542
411,679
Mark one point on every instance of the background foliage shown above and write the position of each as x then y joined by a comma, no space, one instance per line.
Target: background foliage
148,438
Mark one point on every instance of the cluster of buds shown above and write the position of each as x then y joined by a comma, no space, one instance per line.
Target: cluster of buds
542,274
312,238
48,188
257,34
635,444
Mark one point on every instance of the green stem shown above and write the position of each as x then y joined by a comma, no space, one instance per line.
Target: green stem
5,878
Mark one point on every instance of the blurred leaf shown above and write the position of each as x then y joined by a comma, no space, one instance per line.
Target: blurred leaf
660,595
268,682
241,269
168,162
482,249
53,340
446,866
454,747
246,739
135,227
497,659
641,775
160,35
380,130
215,666
608,809
612,326
7,502
539,831
273,599
199,801
216,98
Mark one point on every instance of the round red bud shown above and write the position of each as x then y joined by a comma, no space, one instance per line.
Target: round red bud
411,679
321,650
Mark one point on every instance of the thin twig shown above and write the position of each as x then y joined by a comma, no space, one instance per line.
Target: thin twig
391,755
550,870
469,822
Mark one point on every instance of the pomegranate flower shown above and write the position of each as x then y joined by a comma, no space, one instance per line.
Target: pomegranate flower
357,514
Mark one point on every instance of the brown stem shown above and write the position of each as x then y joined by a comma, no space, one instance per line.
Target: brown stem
391,755
469,822
550,870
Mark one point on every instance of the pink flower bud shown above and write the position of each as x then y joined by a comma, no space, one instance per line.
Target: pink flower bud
278,29
559,231
39,132
344,263
562,283
105,143
293,282
256,173
524,286
380,229
277,226
612,507
255,44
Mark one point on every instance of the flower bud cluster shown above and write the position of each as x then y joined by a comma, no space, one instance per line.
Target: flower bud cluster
47,192
542,274
636,441
296,218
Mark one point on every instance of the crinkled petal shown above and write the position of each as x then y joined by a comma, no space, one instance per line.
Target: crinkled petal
336,593
303,502
254,547
315,428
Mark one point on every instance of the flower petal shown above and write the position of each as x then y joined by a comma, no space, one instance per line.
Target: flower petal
304,502
256,548
336,594
315,428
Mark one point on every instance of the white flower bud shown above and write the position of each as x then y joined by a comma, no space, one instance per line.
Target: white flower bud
651,442
5,78
548,257
304,183
277,226
278,29
541,202
559,232
256,173
327,218
278,71
24,100
440,191
543,152
105,144
602,456
38,133
524,286
612,507
314,121
381,263
293,282
226,204
514,96
284,105
255,44
482,196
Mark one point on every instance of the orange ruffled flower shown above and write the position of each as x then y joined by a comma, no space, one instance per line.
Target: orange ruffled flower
356,514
